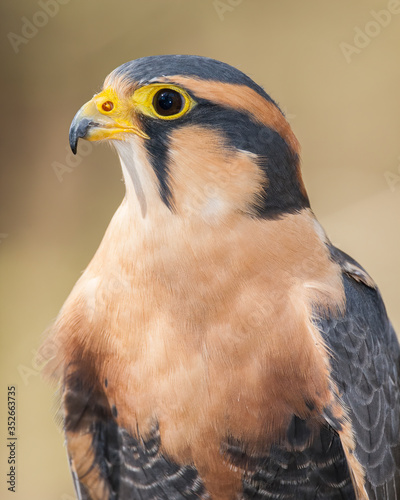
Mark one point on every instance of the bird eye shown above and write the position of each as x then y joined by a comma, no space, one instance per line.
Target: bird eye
107,106
168,102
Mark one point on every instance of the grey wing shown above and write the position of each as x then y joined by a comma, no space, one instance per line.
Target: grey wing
107,463
365,365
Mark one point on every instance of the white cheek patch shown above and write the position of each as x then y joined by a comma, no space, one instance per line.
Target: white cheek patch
132,173
142,187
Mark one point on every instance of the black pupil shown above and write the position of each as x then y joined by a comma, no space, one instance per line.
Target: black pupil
168,102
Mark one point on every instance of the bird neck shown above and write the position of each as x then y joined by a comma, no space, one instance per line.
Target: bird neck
142,196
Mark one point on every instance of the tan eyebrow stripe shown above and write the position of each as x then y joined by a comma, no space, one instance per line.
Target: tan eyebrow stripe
241,98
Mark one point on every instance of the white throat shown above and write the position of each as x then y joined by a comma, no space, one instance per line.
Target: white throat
139,177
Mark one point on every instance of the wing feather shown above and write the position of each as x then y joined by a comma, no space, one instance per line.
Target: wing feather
366,367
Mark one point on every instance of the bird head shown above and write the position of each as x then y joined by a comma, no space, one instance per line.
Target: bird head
197,137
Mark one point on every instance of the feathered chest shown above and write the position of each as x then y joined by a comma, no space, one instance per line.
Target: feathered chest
182,317
203,335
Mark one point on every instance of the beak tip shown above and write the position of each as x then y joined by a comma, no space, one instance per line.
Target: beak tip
79,129
73,143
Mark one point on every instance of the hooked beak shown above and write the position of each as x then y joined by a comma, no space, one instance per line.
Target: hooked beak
90,124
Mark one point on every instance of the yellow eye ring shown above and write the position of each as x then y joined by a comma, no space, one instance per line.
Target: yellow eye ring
164,101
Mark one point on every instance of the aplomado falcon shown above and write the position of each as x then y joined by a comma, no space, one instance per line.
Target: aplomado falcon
218,346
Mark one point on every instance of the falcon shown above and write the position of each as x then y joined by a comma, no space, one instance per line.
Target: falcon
218,346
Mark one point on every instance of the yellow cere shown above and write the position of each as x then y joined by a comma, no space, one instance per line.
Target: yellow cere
108,101
143,100
116,116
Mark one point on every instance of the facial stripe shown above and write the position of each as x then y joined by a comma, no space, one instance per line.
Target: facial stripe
157,149
228,109
241,98
281,192
236,96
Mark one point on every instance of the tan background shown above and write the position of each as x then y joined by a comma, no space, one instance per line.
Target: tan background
346,115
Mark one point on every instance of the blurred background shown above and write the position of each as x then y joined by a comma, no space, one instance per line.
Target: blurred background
334,67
